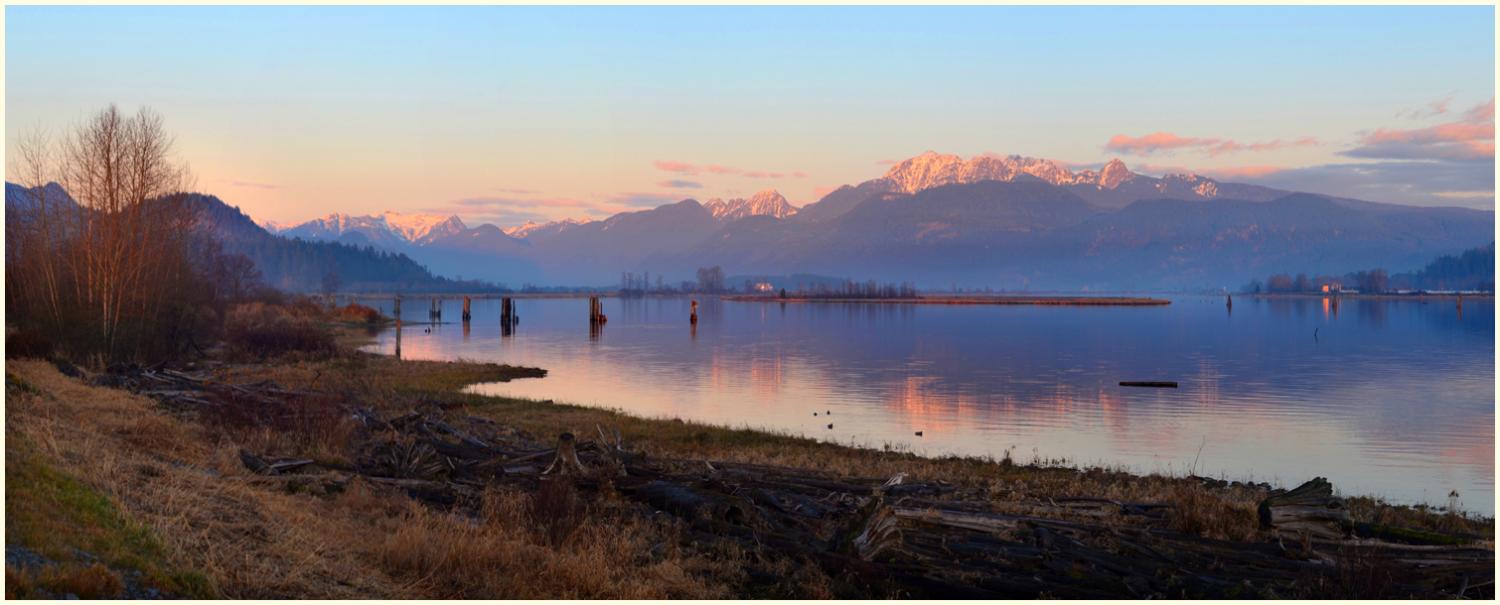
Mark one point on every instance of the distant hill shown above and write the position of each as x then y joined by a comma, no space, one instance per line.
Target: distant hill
299,266
285,263
1472,270
1014,222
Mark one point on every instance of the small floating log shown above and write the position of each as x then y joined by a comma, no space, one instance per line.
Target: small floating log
1154,384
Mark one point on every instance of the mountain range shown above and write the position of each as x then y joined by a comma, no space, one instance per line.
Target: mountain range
938,219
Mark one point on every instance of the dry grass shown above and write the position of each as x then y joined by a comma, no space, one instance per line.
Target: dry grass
1198,509
92,581
600,555
191,494
247,537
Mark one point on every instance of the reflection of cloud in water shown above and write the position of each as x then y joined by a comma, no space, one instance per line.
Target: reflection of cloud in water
1391,395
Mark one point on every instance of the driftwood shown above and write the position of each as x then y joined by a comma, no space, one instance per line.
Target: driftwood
263,466
1310,508
878,537
566,459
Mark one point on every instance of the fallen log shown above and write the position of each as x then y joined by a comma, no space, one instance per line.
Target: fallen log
1310,508
262,466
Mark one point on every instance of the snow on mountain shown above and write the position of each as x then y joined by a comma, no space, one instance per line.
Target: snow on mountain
419,227
932,169
765,203
538,229
387,228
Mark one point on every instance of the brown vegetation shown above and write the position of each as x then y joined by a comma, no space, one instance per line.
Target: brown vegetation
108,277
344,472
259,330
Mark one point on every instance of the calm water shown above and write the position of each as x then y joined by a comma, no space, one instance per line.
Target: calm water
1391,398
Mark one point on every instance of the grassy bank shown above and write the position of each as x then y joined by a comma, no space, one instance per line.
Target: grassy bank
162,493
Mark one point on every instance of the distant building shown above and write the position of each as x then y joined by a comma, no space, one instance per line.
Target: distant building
764,286
1333,287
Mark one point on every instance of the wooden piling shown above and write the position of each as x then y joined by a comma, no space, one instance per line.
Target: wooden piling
466,309
435,310
693,317
507,316
596,311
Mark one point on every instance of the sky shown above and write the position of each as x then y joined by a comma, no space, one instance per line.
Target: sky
515,114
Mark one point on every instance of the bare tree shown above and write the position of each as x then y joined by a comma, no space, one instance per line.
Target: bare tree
102,270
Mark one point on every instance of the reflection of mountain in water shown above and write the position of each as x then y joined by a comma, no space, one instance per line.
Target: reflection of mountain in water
1391,394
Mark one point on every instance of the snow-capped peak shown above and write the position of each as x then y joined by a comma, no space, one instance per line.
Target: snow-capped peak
532,227
414,227
932,169
764,203
388,226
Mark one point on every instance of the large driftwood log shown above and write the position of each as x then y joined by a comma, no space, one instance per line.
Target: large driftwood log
1310,508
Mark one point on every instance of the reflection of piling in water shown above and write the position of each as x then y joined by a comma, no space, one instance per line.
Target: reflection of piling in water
1460,306
397,313
435,311
466,312
398,338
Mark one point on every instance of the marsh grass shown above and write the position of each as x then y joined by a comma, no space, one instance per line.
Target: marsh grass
186,507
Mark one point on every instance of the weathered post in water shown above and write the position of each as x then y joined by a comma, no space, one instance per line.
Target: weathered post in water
693,318
1229,302
435,311
466,310
507,316
596,311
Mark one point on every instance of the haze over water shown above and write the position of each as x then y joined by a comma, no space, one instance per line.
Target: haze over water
1392,398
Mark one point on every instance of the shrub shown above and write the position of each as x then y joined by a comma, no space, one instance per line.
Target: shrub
262,330
30,342
355,312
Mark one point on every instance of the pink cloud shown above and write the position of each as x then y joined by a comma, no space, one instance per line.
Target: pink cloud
687,168
1433,108
671,166
1243,172
1442,133
1154,142
1168,142
1481,113
1471,137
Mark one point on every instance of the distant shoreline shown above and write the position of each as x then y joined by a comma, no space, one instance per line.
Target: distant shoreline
1086,301
1382,295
